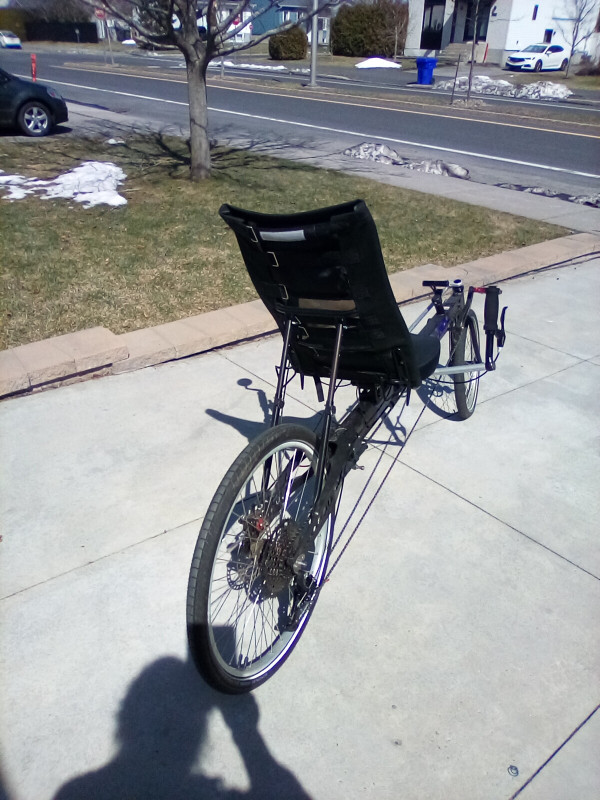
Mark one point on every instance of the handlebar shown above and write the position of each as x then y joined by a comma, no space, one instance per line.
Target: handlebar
493,331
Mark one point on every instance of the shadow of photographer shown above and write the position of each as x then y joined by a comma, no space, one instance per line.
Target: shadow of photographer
161,730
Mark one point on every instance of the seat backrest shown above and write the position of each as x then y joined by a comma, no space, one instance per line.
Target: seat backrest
321,267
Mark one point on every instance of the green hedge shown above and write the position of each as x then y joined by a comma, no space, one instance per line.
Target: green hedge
291,45
369,29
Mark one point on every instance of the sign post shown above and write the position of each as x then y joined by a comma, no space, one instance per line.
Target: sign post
100,14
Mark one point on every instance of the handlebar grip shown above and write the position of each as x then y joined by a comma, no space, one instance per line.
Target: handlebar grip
492,305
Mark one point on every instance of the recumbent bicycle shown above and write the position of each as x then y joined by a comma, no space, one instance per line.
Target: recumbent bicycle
262,553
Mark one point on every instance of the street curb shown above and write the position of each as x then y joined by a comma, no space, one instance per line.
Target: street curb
96,352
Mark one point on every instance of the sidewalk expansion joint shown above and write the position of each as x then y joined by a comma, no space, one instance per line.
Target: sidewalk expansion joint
558,749
197,521
506,524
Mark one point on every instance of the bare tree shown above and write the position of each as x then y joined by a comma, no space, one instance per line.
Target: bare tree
399,14
202,30
61,11
577,25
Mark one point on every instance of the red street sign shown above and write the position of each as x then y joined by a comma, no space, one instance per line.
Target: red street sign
100,13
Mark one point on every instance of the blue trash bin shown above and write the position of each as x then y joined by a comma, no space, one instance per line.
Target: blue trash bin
425,67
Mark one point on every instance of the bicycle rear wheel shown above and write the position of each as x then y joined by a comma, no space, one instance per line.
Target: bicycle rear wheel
247,607
465,346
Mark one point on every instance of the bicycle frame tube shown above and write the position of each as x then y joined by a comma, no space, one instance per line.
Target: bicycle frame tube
449,312
279,400
329,407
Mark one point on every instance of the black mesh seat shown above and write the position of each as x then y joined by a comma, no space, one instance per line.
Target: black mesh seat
322,267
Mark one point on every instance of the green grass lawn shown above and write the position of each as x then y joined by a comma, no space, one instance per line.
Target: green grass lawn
167,254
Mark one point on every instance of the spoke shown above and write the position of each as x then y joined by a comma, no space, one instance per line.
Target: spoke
251,613
232,620
215,613
278,487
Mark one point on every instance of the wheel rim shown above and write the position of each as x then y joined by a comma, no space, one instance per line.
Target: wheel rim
249,602
470,379
36,119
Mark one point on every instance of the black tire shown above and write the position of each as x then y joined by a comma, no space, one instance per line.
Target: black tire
466,385
246,608
34,119
564,65
538,66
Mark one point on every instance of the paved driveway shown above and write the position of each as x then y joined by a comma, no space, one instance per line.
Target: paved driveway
454,654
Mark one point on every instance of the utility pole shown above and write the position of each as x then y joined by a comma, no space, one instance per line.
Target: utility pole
314,34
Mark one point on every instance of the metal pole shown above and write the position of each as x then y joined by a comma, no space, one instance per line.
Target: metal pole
473,50
313,44
455,79
112,58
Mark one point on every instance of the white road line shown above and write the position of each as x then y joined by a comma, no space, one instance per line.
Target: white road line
360,134
412,144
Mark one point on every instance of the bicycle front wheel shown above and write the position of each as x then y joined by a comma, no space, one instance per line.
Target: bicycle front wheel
465,346
250,594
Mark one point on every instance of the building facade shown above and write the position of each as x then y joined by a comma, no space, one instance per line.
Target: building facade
501,26
290,11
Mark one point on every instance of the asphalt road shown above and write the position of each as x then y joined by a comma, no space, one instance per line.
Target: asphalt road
495,149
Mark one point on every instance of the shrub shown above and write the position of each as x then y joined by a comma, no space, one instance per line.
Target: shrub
370,29
589,68
291,45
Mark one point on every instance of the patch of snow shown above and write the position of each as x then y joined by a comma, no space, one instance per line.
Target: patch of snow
259,67
115,141
483,84
377,63
372,151
91,183
592,200
268,67
17,193
129,42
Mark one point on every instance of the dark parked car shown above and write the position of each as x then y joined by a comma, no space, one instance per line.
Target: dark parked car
32,107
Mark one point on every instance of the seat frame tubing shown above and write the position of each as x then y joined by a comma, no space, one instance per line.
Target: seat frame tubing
339,449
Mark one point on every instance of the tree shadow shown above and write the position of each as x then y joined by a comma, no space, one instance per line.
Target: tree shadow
145,149
163,151
161,730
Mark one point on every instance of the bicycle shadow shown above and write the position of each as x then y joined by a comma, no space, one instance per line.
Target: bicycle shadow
438,396
161,730
250,428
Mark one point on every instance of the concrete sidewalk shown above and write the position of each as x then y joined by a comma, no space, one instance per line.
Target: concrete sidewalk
454,654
